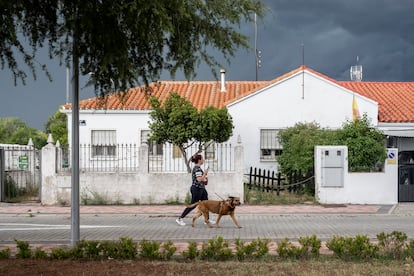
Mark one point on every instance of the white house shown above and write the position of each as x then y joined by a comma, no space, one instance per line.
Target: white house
259,110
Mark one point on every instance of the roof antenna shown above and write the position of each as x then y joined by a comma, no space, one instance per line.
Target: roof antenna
356,71
258,53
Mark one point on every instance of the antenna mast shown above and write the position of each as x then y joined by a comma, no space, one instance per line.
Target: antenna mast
356,71
258,53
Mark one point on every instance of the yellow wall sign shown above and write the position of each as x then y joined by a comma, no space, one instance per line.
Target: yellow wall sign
392,156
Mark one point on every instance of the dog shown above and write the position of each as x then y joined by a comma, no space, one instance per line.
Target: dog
222,208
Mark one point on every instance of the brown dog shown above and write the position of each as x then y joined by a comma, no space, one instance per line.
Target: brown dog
224,207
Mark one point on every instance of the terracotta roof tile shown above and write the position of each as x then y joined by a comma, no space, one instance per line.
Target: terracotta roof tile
395,99
200,93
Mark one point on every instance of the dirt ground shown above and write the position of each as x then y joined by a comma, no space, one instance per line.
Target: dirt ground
79,267
184,267
113,267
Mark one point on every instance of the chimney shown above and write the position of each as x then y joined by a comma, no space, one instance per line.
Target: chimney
223,80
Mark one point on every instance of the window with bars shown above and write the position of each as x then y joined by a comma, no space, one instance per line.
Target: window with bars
270,147
103,143
153,147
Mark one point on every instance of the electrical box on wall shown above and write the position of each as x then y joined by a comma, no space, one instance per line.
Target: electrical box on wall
333,165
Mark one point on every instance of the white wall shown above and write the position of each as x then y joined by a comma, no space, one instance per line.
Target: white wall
358,188
128,124
139,187
284,104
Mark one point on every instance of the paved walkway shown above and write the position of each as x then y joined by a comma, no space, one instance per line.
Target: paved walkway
177,209
48,226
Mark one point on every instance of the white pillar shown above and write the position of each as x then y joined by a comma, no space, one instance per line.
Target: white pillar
48,165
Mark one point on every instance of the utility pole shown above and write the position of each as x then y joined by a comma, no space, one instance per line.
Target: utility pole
75,226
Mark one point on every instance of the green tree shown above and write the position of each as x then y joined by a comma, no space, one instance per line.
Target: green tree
124,42
57,126
15,131
366,149
178,122
298,144
366,146
8,126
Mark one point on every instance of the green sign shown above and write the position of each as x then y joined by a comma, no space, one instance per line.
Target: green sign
23,162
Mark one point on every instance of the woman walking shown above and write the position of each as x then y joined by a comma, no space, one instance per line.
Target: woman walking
198,189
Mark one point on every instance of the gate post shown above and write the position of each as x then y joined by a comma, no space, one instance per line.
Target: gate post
49,190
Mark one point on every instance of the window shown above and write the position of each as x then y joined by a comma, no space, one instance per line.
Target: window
270,147
153,147
103,143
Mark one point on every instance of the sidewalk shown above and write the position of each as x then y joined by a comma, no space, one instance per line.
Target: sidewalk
37,208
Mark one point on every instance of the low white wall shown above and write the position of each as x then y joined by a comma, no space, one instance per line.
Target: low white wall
359,188
140,187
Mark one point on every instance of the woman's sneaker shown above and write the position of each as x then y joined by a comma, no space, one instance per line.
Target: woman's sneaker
180,222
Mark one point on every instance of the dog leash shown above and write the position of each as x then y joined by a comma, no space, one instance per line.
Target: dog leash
220,197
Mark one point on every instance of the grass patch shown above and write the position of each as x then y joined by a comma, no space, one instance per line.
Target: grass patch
259,197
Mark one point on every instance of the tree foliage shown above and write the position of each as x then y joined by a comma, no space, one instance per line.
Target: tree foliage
366,149
125,42
57,126
178,122
298,144
16,131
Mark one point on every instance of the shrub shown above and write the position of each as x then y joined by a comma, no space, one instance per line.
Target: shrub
91,249
410,249
286,249
60,253
150,249
39,253
393,244
192,251
311,246
24,251
348,248
216,249
127,249
168,250
5,253
251,250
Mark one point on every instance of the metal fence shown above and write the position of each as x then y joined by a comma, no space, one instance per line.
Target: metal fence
125,158
19,173
101,158
218,157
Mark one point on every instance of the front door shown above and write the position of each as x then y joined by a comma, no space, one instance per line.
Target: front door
406,183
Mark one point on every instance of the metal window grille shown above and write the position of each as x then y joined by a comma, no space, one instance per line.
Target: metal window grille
103,143
270,146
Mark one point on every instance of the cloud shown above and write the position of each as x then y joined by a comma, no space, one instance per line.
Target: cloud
333,32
